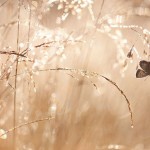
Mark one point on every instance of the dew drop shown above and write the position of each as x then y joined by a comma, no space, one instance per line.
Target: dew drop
132,126
2,134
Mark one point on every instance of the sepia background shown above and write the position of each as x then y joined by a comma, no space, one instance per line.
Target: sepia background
66,68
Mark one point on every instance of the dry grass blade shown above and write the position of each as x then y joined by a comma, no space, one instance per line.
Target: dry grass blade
94,74
127,100
16,72
25,124
8,24
3,3
12,53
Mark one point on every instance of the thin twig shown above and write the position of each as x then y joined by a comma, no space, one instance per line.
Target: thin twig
3,3
51,42
127,100
25,124
16,72
12,53
100,12
29,24
94,74
8,24
137,33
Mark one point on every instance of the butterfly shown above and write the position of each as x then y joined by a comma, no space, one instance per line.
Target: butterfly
145,71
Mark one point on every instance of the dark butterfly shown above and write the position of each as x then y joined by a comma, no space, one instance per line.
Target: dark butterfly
145,65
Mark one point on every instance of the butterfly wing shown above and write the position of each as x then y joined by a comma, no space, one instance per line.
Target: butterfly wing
140,73
145,65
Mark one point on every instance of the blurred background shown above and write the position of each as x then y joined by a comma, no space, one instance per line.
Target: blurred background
60,109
